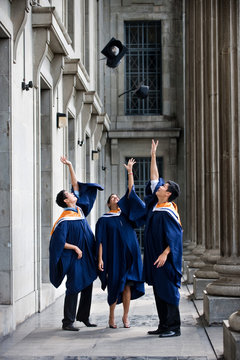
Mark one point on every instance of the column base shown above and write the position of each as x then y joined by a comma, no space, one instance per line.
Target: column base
199,286
190,272
218,308
231,342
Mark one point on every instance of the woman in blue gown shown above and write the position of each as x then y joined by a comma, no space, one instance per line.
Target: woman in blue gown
119,256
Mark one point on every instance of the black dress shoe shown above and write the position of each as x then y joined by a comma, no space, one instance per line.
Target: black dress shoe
170,333
155,332
88,324
70,327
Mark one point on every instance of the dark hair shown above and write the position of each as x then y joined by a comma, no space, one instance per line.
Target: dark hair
174,189
61,196
109,198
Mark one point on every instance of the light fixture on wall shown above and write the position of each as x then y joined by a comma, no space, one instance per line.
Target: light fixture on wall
61,120
80,142
95,154
104,168
27,86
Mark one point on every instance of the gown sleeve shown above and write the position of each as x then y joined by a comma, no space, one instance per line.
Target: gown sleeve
133,207
56,247
173,236
87,196
101,238
150,198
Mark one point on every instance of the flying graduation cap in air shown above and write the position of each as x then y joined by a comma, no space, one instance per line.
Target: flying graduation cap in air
114,52
141,91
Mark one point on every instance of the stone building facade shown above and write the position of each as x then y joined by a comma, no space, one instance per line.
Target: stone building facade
192,109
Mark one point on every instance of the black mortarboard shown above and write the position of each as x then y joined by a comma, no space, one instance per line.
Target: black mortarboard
114,52
141,91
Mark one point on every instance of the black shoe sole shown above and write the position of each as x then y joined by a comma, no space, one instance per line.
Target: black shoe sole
165,336
70,329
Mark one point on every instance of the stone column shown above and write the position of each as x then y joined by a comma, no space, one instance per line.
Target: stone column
222,296
207,274
196,19
190,134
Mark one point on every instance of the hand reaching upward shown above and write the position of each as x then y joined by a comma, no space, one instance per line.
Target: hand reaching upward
130,164
154,147
65,161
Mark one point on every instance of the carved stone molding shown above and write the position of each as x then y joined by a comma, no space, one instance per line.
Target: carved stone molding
103,125
57,66
69,82
91,97
20,10
48,31
92,106
75,66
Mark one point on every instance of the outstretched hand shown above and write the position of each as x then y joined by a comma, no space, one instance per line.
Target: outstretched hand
130,164
154,147
65,161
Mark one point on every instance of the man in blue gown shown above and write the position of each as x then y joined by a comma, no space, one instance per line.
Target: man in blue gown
73,251
163,250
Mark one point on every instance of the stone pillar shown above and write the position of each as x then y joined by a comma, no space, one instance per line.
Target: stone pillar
189,128
207,274
190,134
195,122
225,292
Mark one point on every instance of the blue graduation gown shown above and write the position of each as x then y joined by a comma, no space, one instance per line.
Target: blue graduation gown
121,252
72,227
163,228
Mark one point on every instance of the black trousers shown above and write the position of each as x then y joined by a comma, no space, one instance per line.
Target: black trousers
70,306
169,316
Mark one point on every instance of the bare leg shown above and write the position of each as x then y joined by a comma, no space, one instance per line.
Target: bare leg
126,305
111,321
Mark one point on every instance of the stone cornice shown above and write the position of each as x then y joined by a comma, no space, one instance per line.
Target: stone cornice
136,134
47,18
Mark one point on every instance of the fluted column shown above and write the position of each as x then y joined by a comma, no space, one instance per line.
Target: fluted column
190,131
211,141
197,138
200,150
228,266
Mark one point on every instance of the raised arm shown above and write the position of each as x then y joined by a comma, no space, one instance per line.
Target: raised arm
74,182
154,175
129,167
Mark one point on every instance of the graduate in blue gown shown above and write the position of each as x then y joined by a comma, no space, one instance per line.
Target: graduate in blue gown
120,262
73,250
163,250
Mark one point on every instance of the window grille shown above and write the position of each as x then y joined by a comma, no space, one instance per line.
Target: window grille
141,171
143,63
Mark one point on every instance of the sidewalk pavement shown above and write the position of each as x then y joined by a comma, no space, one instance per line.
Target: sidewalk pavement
41,336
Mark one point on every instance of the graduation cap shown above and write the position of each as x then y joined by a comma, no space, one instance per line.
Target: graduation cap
141,91
114,51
